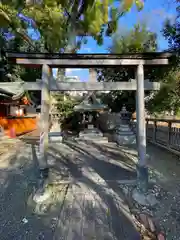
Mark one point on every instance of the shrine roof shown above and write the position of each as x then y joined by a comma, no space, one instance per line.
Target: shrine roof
86,105
12,92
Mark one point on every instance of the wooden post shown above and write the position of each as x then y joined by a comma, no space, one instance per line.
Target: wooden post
169,134
44,119
147,126
154,131
142,170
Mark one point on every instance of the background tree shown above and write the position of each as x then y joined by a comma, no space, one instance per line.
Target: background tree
20,73
68,117
171,32
137,40
65,104
58,20
168,98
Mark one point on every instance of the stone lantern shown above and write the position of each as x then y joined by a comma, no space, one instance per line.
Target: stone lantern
123,133
125,115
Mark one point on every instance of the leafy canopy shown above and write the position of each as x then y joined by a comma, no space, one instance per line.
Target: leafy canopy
168,98
171,32
58,20
139,39
65,104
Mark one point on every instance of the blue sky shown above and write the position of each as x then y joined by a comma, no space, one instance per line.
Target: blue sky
154,14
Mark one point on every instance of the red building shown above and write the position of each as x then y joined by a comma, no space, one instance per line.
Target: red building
13,112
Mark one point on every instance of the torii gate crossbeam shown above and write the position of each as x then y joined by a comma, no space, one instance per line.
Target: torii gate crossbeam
56,85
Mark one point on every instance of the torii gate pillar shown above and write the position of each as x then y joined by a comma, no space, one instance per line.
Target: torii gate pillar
142,170
44,120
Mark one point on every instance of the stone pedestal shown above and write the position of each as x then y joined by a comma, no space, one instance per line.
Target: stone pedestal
55,137
55,134
124,135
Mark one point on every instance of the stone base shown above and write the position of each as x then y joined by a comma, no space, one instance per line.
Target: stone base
124,127
140,194
55,137
142,178
124,135
125,139
41,194
145,200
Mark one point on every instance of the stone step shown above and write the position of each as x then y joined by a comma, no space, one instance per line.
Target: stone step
3,138
100,141
123,129
90,135
94,139
91,132
110,144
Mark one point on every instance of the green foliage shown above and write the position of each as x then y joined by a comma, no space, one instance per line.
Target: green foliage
8,16
168,97
65,104
172,32
86,17
17,72
68,117
91,18
9,21
139,39
51,25
116,99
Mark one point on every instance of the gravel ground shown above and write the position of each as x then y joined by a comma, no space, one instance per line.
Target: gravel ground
164,170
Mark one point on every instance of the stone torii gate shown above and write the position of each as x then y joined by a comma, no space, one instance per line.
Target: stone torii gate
47,84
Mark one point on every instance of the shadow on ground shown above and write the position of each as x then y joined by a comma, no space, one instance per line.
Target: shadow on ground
17,184
98,187
85,209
